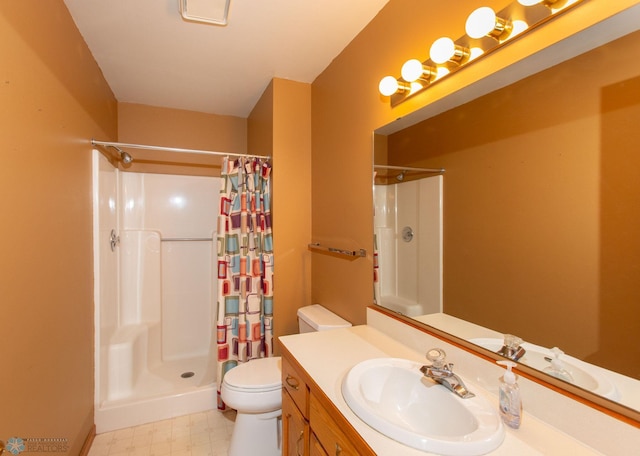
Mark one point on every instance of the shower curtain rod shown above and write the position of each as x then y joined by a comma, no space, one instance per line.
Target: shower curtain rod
405,168
172,149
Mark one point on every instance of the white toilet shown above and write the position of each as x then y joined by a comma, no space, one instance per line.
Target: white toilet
254,390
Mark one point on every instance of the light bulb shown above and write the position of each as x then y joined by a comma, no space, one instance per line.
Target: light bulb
388,86
475,52
442,72
412,70
519,27
481,22
548,3
442,50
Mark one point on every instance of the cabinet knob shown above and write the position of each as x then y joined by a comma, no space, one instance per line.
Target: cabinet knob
292,382
338,449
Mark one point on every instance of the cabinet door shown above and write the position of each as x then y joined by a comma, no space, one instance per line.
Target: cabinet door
293,382
315,449
295,429
332,439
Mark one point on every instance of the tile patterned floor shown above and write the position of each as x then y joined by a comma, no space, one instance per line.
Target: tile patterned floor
200,434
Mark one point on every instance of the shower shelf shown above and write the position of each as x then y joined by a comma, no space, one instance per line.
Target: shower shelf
360,253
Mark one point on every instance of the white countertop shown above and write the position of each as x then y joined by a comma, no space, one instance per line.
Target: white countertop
327,356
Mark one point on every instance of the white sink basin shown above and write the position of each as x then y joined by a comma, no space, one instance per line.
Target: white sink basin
389,394
584,375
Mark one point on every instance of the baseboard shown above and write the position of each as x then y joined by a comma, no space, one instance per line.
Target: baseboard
84,451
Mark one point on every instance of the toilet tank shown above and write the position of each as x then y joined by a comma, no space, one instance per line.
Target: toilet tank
317,318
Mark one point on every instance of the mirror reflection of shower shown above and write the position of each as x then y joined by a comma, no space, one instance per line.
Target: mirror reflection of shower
408,233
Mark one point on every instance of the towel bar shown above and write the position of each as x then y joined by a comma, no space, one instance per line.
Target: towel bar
350,253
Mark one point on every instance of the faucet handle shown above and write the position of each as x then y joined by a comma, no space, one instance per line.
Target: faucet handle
437,357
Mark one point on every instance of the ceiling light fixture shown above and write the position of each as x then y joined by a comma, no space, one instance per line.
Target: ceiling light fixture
207,11
487,31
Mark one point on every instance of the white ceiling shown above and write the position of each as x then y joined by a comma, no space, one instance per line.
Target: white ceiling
150,55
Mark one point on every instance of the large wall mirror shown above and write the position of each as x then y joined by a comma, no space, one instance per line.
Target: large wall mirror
540,207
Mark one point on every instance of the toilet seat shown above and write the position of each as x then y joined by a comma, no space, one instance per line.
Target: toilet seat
258,375
254,387
244,389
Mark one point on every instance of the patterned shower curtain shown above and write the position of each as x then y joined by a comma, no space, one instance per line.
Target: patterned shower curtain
245,265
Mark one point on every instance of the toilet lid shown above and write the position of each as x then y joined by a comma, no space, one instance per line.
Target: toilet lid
258,374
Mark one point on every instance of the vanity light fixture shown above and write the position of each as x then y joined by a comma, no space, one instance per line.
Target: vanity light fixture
415,70
484,22
444,50
486,31
390,85
538,2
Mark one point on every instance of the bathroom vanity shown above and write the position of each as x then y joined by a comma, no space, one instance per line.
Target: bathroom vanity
311,424
316,419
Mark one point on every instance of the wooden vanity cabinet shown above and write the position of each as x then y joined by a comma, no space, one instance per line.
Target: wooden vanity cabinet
295,428
328,432
295,411
315,449
311,424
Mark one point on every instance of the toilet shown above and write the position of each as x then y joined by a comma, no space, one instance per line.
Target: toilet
254,390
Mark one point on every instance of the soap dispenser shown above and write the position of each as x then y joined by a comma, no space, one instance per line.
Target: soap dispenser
557,368
510,400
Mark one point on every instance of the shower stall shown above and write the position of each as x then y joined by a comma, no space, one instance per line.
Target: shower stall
155,295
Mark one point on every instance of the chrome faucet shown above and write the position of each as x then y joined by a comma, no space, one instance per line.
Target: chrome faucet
511,348
442,373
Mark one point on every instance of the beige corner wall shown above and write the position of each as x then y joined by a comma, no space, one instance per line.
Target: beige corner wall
53,100
280,125
149,125
346,108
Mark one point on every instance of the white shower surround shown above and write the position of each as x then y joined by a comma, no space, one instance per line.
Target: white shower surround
410,273
155,301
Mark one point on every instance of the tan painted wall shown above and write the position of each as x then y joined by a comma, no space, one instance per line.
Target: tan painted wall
261,124
53,99
281,124
149,125
346,108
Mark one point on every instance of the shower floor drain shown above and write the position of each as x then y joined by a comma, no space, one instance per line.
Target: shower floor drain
187,374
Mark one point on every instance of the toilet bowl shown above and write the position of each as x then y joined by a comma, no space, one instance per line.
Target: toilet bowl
254,390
